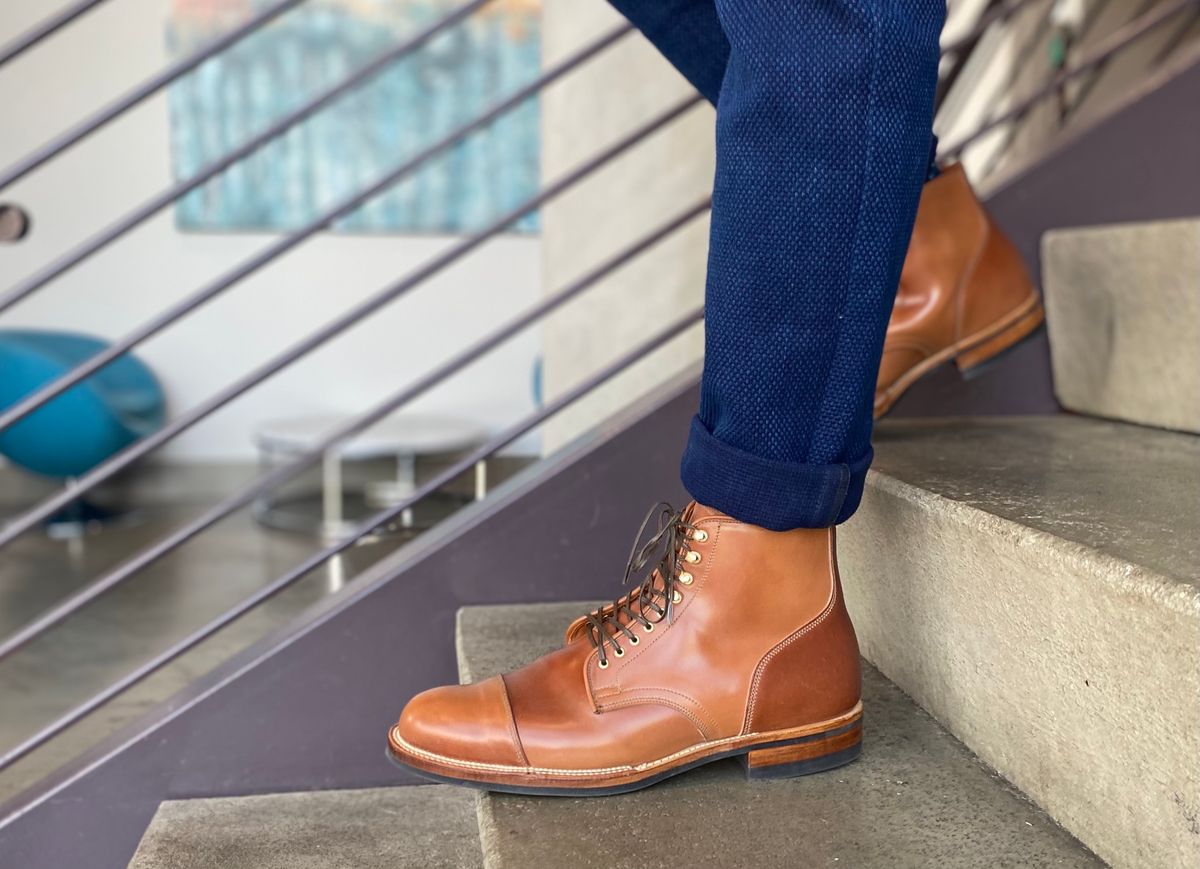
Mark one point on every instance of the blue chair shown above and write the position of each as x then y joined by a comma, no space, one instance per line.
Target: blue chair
88,423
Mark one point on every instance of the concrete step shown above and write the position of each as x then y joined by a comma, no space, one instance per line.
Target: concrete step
382,828
1123,312
1035,585
916,798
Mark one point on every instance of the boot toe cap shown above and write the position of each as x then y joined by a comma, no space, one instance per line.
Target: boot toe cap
471,723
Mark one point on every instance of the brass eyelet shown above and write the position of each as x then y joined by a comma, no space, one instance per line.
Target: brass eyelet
693,557
603,665
620,653
676,597
700,535
633,641
686,578
649,627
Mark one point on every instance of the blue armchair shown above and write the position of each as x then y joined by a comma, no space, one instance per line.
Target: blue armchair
77,430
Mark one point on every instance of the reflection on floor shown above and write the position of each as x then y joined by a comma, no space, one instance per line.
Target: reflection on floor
131,623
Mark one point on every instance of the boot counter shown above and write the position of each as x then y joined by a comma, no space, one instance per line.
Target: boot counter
813,675
999,284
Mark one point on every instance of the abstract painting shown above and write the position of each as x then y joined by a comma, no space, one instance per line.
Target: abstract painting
365,134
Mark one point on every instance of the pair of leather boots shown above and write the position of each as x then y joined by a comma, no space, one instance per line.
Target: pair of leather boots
735,640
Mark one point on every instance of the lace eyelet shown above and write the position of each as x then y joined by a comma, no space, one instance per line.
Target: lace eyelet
633,641
620,653
676,597
648,627
686,578
603,665
700,535
693,557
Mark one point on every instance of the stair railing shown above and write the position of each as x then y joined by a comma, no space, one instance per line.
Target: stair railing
1116,42
158,202
290,240
45,29
313,455
28,519
140,93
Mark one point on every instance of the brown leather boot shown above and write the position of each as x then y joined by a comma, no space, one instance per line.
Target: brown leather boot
964,292
736,644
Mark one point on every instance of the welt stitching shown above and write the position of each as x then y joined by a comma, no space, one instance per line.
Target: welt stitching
398,740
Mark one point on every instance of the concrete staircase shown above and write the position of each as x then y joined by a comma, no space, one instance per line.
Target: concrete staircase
1028,591
1033,584
917,798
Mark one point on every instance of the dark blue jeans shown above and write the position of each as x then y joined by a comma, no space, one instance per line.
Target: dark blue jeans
824,114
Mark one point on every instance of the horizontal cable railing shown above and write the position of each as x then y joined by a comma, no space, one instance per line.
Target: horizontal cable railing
287,471
157,203
45,29
1115,43
140,93
293,239
135,451
379,519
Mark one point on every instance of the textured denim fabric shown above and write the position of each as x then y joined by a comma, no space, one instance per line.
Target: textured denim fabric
824,116
689,35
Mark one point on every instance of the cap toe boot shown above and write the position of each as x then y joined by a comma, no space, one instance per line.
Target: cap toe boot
735,643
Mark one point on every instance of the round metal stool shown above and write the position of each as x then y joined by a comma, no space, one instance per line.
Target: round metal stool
335,508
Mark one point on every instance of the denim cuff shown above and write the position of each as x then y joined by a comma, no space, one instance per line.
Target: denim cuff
779,496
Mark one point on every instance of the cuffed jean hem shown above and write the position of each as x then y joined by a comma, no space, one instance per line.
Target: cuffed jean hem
779,496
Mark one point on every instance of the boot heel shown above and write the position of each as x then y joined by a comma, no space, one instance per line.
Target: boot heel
815,753
975,360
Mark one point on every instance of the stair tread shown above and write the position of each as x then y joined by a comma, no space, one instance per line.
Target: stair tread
1123,491
916,797
429,827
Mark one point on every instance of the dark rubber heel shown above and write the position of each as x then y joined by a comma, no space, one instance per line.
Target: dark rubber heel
815,753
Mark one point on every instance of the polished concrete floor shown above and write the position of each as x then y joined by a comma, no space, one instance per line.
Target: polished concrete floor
130,624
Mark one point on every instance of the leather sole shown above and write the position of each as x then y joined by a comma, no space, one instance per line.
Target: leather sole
777,754
972,353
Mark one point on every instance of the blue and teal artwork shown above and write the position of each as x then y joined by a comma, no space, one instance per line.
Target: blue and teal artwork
365,134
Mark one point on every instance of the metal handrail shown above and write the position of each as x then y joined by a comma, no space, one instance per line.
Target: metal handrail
141,92
1117,41
293,239
304,460
45,29
381,518
135,451
161,200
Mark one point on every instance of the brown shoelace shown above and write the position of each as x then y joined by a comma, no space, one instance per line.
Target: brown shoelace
652,600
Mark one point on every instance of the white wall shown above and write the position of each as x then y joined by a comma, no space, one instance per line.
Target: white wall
96,60
669,172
